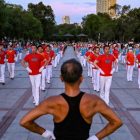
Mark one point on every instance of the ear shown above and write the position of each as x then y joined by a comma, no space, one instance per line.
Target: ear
61,78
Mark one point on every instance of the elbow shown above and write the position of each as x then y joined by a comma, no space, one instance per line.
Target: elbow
119,123
23,123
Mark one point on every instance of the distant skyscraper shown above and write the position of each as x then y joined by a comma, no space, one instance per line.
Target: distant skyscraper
66,20
103,6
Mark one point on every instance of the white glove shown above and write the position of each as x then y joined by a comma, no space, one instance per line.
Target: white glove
41,69
128,62
112,71
101,71
48,134
29,70
93,138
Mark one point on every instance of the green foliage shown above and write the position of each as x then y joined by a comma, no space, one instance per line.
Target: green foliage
45,15
123,28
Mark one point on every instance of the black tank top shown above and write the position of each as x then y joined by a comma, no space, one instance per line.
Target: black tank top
74,127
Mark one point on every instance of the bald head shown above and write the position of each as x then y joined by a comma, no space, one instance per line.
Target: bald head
71,71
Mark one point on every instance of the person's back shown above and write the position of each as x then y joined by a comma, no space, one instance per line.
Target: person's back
72,111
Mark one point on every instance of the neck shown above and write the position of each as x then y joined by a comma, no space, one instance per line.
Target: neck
72,90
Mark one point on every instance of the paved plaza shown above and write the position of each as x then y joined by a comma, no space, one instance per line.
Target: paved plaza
16,100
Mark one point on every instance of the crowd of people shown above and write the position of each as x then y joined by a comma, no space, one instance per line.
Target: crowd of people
101,60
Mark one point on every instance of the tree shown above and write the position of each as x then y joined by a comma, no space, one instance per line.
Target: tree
45,15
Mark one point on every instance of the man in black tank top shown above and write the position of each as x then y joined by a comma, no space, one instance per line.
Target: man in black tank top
72,111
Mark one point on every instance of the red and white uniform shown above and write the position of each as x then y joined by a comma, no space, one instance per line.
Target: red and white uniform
138,58
96,75
89,55
43,74
105,62
34,63
2,66
116,55
130,57
51,55
11,56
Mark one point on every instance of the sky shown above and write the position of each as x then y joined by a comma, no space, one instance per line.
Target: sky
75,9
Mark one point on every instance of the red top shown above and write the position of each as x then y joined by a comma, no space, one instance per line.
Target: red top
138,57
2,57
116,53
90,55
51,55
87,53
95,58
34,61
10,54
105,62
130,58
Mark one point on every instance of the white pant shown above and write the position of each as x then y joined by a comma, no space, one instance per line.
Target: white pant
117,66
89,69
11,69
139,77
83,61
123,59
61,53
96,82
35,82
58,58
105,84
43,79
55,61
19,56
129,72
2,72
48,73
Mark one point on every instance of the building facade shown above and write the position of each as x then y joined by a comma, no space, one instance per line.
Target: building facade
66,20
103,6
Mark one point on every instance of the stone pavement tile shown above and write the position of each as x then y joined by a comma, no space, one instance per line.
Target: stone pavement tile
18,83
122,83
15,136
125,98
8,97
2,113
136,115
15,131
122,133
97,119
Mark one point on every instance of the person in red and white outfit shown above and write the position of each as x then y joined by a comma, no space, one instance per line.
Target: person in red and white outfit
88,55
116,54
138,62
51,55
130,61
43,73
105,65
11,56
32,63
2,65
96,72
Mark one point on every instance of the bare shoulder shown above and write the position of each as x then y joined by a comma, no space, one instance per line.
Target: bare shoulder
93,102
53,100
90,98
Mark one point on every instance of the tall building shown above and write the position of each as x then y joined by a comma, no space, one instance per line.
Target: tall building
103,6
66,20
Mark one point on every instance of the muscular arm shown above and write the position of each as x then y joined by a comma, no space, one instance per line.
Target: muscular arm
28,121
114,121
